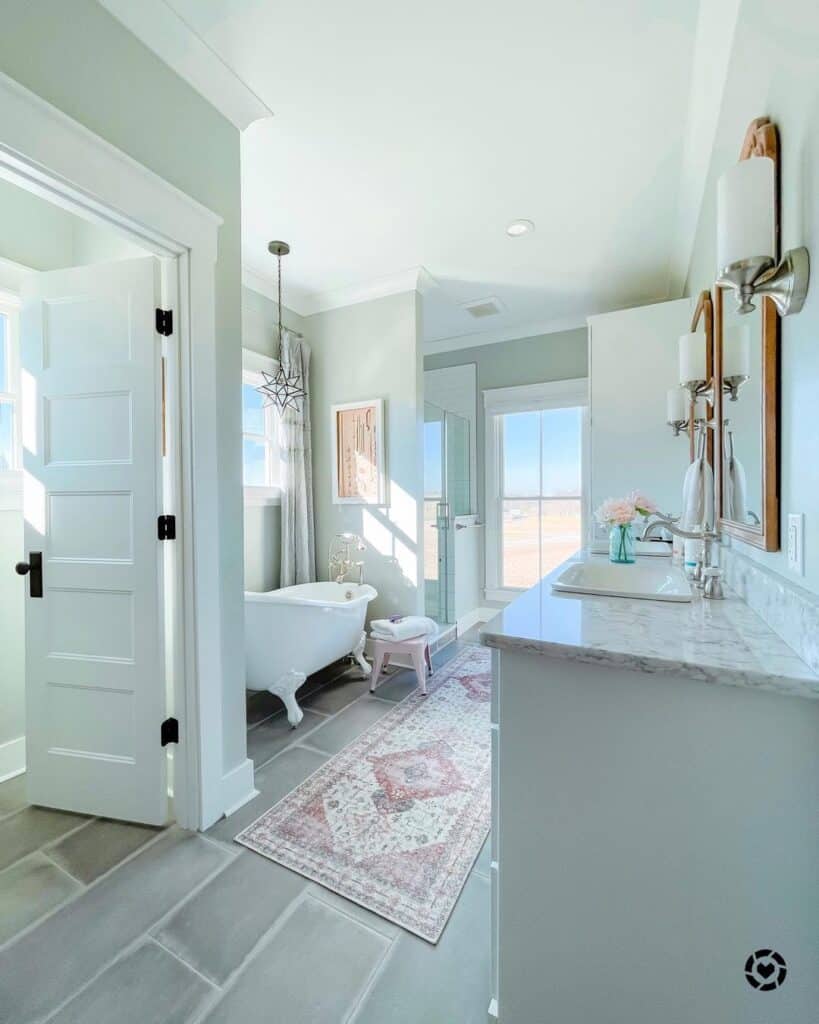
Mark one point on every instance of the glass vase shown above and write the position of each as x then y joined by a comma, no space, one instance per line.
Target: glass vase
621,544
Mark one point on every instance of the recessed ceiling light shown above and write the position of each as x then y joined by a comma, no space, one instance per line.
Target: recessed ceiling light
519,227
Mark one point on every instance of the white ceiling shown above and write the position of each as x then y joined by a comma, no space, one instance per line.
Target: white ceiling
409,135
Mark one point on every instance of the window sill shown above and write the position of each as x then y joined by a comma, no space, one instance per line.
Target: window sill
503,595
11,490
262,497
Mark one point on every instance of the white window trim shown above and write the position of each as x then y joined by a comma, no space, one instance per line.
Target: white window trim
253,363
11,480
497,402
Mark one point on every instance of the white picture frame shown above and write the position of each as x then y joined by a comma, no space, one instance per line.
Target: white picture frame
363,482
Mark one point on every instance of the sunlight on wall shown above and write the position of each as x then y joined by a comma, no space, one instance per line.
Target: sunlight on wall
393,532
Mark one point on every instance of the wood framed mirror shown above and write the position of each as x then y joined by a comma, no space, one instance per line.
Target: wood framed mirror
747,415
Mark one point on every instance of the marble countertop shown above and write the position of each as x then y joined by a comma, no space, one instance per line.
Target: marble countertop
713,641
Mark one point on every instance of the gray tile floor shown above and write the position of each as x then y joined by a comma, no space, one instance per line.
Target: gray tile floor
103,921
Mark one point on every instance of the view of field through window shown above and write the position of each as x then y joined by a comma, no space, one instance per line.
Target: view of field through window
541,493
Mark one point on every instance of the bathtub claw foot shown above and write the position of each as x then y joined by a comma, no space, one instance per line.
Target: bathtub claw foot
358,654
285,689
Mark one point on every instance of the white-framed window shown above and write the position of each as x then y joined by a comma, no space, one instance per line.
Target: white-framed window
536,442
10,447
260,445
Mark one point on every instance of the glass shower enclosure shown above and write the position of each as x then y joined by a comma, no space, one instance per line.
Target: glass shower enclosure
447,494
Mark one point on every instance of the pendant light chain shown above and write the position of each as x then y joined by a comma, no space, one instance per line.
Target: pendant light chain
284,388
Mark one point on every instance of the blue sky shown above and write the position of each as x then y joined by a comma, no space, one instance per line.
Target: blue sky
561,453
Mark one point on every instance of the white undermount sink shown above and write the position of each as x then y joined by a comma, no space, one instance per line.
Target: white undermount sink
646,580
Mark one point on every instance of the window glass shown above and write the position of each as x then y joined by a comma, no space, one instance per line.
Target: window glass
252,410
253,452
540,513
561,433
521,454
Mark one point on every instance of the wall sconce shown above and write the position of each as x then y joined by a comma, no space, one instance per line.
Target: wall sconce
736,369
678,410
746,240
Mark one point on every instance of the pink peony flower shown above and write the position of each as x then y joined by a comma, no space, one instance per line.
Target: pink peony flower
616,512
644,505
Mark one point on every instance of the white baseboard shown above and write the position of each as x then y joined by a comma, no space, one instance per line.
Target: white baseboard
238,787
492,1012
12,758
474,617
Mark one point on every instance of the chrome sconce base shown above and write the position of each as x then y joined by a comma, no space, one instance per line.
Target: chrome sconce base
786,284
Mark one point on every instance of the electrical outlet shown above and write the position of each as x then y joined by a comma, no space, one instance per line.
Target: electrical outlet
796,533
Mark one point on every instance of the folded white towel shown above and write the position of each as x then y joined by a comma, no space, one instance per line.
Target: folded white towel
406,629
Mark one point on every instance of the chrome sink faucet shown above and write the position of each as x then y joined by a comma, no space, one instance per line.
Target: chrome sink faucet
706,575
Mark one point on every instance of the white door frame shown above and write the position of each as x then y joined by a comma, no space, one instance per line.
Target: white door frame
48,153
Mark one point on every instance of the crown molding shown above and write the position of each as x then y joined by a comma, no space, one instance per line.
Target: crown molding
157,25
500,334
411,280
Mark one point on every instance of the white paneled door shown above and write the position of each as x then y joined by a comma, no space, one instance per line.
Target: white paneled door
95,668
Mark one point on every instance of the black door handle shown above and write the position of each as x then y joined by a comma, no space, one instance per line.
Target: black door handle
33,568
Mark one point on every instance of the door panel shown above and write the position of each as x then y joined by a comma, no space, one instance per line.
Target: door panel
95,670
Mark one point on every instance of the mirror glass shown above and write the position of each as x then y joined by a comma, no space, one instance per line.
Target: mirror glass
742,411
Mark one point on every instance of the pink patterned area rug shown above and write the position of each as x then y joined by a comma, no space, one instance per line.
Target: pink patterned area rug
396,819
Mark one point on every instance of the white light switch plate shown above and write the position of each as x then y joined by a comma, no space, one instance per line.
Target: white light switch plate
796,533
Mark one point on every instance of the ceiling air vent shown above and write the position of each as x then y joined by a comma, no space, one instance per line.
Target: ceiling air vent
480,308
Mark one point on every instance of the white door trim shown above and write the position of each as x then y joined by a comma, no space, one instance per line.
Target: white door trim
46,152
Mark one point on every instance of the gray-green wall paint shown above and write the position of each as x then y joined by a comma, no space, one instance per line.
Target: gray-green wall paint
774,70
372,350
560,356
81,60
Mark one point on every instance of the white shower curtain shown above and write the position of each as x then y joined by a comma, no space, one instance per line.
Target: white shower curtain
298,557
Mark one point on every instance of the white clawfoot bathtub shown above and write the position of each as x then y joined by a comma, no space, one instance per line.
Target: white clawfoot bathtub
292,632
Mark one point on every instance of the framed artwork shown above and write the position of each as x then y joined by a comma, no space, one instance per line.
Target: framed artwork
358,447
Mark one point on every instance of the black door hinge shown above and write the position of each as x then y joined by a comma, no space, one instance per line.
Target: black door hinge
169,732
164,321
166,527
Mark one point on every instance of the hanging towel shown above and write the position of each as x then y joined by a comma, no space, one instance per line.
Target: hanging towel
736,488
404,629
698,492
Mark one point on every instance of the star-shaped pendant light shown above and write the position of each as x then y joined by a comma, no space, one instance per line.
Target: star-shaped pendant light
284,388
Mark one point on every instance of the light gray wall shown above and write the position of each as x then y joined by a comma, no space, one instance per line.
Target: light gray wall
774,70
372,350
79,58
560,356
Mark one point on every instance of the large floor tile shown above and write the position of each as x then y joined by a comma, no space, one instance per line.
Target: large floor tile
55,959
149,986
29,889
273,781
273,735
217,928
262,705
312,971
99,846
444,984
346,726
13,795
397,685
337,695
26,831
